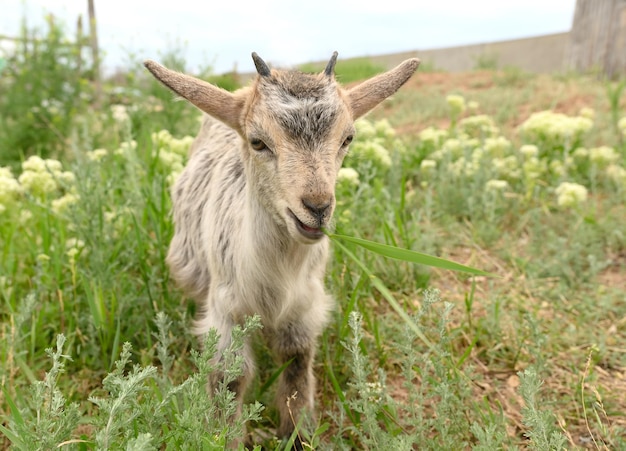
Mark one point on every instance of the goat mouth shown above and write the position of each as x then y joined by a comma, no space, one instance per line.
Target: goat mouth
312,233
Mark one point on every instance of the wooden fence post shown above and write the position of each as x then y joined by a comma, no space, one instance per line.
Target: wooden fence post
598,37
79,44
95,54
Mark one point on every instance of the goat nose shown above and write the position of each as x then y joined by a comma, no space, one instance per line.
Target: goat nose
319,209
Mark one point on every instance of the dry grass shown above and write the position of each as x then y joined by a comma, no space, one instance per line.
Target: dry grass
508,96
586,382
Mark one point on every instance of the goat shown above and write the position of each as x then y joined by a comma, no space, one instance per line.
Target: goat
251,206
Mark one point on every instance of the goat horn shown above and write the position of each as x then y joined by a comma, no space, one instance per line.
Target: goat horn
261,67
330,67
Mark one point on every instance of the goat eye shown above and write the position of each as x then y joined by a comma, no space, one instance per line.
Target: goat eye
347,141
258,145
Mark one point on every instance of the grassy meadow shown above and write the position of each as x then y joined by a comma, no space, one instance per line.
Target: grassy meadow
520,175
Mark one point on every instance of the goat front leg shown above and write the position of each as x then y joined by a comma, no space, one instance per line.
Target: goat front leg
296,386
224,327
239,384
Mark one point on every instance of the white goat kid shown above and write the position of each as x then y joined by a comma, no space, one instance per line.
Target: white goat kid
251,205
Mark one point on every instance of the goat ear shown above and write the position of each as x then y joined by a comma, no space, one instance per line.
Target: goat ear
214,101
370,93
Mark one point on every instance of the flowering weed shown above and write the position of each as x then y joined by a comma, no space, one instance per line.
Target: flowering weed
475,362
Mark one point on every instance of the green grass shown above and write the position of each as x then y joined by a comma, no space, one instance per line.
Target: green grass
95,349
348,71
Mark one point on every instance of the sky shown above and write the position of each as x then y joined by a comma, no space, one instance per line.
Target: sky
223,33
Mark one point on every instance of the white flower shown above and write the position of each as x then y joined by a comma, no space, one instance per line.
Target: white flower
372,151
478,126
37,183
66,178
41,177
53,166
533,168
375,391
471,143
384,129
497,147
555,127
463,167
427,168
72,253
570,194
25,216
456,103
34,164
164,142
617,174
603,156
433,136
73,247
496,185
181,146
118,219
64,203
172,177
453,147
529,150
428,165
478,154
109,217
348,177
161,138
581,153
5,171
74,242
10,188
170,161
557,167
587,112
119,114
126,148
507,167
97,154
365,129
